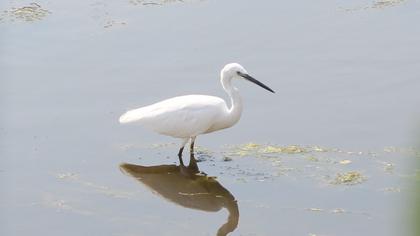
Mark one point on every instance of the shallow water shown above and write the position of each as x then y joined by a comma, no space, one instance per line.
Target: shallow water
347,82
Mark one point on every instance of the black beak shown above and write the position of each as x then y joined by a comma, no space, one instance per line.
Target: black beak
249,78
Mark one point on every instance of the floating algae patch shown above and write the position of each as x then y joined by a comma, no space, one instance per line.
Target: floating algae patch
113,23
408,151
319,149
158,2
101,189
288,149
260,150
380,4
391,189
153,2
388,167
292,161
161,145
31,12
345,162
242,150
312,158
267,162
314,209
349,178
386,3
335,211
61,205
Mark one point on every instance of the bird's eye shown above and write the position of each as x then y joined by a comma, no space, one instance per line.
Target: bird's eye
238,72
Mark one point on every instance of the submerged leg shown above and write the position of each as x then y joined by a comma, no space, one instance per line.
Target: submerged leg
180,155
181,150
193,161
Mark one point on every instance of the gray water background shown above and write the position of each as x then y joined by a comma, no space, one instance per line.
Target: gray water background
345,79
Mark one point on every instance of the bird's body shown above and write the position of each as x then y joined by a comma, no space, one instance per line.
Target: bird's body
184,116
188,116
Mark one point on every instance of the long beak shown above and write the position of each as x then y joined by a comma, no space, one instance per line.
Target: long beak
249,78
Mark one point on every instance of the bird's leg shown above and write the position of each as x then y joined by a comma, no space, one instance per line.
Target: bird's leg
192,147
181,149
180,155
193,161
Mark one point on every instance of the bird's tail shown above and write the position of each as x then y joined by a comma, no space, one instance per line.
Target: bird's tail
131,116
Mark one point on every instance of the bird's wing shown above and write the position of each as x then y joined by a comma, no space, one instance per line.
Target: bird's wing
182,117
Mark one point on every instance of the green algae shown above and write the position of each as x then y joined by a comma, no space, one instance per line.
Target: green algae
345,162
292,149
386,3
407,151
100,189
28,13
50,200
349,178
312,158
266,162
156,2
388,167
375,5
391,189
261,150
113,23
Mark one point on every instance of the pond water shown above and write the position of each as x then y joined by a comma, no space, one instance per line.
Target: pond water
331,153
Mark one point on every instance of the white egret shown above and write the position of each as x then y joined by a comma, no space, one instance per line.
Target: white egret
188,116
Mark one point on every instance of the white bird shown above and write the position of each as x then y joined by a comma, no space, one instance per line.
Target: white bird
188,116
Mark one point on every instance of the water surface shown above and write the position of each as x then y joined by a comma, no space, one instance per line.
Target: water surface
347,82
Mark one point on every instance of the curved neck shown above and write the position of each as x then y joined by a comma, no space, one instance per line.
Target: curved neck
235,108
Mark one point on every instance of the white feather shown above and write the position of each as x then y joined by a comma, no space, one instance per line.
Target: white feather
188,116
181,117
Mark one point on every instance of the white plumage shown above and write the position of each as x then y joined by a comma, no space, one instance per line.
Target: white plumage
189,116
179,117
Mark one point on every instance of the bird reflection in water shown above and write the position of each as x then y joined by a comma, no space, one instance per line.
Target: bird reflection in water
188,187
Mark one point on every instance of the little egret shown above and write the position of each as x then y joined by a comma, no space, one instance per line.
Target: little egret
188,116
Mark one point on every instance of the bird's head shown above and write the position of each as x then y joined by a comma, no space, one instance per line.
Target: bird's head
236,71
